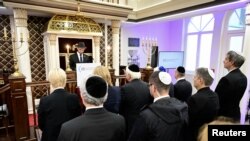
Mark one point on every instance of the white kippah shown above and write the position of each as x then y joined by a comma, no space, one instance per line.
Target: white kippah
165,78
211,73
156,69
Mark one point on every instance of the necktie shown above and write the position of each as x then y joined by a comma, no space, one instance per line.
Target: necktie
81,58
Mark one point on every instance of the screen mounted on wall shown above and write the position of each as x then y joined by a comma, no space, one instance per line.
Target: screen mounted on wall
133,42
170,59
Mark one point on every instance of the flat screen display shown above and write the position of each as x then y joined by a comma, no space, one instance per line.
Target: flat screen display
170,59
133,42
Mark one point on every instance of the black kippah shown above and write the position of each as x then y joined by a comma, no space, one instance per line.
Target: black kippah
96,87
134,68
181,69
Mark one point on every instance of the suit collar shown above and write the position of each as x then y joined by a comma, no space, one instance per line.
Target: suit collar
203,89
180,79
95,111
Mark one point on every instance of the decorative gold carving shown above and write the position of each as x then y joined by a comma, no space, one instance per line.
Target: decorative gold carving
73,23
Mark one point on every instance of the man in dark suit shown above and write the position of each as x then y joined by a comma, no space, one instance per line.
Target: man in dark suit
79,56
164,120
58,107
134,96
204,105
231,87
182,88
96,124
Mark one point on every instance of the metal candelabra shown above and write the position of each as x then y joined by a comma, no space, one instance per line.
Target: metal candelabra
147,46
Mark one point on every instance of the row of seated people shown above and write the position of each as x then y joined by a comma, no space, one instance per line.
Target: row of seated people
165,117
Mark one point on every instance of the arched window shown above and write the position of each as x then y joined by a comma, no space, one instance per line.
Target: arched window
236,28
199,41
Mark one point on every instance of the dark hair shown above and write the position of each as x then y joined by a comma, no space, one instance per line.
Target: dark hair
154,79
237,59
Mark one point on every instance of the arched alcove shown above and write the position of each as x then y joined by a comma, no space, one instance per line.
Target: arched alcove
68,26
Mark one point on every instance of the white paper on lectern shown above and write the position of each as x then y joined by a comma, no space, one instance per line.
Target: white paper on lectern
83,70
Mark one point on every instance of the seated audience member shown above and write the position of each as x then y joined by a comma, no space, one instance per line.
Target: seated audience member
164,120
134,96
204,105
112,103
203,132
58,107
96,124
182,88
232,87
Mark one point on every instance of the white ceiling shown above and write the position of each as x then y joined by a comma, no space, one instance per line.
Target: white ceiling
135,10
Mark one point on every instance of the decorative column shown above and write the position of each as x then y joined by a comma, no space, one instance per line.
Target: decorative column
246,65
96,55
116,24
51,51
21,36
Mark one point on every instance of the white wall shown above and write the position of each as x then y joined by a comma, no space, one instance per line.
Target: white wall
149,30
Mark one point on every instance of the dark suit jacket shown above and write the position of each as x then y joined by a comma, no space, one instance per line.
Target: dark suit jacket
94,125
54,110
164,120
230,90
113,101
134,96
182,90
73,59
202,108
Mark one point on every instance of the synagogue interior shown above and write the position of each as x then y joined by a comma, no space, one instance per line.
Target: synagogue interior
37,36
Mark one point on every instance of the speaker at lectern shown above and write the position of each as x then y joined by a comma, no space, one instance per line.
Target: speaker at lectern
83,70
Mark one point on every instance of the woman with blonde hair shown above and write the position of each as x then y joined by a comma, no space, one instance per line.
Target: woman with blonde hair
112,103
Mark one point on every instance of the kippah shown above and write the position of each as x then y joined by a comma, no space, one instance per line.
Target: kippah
161,68
134,68
165,78
181,69
211,73
96,86
134,71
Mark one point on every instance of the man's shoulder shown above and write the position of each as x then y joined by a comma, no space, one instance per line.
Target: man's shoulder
74,123
74,54
113,115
